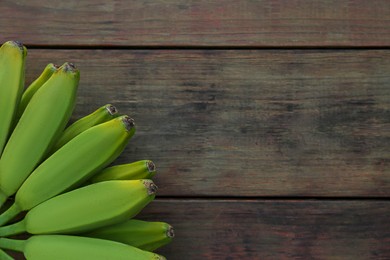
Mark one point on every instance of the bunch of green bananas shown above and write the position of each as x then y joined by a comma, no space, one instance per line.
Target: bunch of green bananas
55,184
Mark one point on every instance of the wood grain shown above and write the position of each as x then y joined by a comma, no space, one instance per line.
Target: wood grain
253,229
264,229
246,123
197,23
243,139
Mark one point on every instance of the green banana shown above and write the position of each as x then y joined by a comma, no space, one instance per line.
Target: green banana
74,207
86,208
72,164
44,118
144,169
141,234
65,247
12,66
101,115
33,88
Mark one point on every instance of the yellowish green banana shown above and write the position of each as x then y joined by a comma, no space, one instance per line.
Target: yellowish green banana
87,208
44,118
65,247
101,115
12,68
33,88
145,235
73,206
144,169
72,164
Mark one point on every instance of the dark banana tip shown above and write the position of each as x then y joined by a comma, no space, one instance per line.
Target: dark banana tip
68,66
71,65
54,66
151,187
151,166
170,232
18,43
128,122
111,109
20,46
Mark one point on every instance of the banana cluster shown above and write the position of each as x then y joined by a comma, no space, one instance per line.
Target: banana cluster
56,185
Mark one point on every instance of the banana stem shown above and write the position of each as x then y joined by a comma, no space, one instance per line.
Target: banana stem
12,244
9,214
5,256
13,229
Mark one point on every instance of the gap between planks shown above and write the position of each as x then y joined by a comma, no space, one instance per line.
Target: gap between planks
268,198
200,47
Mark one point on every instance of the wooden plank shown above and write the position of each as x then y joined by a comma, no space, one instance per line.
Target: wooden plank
246,123
260,229
197,23
253,229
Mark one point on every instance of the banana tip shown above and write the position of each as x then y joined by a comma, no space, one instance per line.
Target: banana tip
170,232
150,187
112,110
151,166
128,122
18,45
68,66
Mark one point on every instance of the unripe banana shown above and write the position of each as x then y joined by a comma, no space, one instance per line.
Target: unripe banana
87,208
44,118
12,65
142,234
33,88
101,115
144,169
64,247
73,164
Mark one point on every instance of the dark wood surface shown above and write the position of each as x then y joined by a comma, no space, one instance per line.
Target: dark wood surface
271,132
247,122
197,23
278,229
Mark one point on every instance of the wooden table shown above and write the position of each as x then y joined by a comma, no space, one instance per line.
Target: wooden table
269,121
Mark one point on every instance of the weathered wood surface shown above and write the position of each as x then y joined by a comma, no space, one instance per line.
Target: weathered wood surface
251,229
263,229
240,122
197,23
247,122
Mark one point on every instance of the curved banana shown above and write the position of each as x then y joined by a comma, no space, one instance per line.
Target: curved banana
87,208
33,87
44,118
65,247
101,115
12,66
141,234
72,164
144,169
